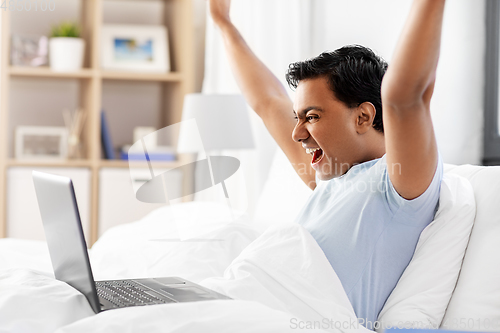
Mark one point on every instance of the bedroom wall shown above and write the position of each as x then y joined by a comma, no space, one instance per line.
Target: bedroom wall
117,97
457,105
280,34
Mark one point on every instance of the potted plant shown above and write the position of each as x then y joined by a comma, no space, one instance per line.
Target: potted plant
66,47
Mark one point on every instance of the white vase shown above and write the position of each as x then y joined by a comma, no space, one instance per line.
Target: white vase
66,54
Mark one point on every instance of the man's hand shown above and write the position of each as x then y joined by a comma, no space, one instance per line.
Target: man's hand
219,10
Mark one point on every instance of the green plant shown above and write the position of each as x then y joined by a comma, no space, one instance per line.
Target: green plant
65,29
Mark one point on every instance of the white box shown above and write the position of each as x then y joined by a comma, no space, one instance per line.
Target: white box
117,201
23,215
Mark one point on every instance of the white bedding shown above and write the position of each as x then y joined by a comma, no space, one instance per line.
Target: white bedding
151,248
281,282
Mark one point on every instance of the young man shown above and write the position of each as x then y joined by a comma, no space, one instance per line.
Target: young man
380,171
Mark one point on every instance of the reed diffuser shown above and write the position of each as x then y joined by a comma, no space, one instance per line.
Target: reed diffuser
74,123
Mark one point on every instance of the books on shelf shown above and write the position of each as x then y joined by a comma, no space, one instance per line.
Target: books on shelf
107,144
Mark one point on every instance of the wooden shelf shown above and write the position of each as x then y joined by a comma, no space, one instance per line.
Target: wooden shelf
177,16
87,163
46,72
125,164
140,76
48,163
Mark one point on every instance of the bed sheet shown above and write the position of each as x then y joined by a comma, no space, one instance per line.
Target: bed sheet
280,281
22,253
161,244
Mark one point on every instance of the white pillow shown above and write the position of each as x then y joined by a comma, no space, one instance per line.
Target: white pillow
422,294
475,304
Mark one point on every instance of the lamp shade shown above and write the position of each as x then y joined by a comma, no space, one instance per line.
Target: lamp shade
222,122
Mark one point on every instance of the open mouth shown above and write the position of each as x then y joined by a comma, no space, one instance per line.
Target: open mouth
317,154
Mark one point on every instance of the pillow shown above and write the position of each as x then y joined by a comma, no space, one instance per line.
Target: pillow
475,304
423,292
283,196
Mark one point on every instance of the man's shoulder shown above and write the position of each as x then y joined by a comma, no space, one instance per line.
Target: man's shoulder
359,168
426,201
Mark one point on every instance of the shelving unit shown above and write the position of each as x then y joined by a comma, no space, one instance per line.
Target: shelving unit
178,17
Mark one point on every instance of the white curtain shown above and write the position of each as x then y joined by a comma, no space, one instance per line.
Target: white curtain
285,31
279,33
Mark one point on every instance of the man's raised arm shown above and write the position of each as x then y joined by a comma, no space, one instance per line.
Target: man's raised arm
262,90
407,89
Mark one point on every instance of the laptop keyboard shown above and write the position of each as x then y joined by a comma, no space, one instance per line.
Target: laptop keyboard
123,293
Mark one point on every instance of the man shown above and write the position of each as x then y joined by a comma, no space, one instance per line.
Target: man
370,142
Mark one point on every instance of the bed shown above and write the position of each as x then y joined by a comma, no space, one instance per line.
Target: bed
278,277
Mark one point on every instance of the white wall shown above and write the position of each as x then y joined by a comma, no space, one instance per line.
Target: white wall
457,105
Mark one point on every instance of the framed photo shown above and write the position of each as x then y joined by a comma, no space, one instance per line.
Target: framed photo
135,48
29,50
41,142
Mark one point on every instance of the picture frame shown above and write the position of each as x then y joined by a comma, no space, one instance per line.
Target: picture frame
29,50
41,142
135,48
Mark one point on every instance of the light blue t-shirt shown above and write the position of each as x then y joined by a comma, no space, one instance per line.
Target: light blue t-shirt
368,231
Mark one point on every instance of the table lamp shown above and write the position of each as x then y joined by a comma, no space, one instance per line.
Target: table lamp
222,123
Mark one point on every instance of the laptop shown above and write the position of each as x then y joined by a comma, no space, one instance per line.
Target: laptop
70,260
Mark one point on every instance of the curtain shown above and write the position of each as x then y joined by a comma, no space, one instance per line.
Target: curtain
279,33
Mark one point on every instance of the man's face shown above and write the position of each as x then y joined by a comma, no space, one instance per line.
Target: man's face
325,123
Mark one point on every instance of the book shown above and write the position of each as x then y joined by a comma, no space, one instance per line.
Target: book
107,144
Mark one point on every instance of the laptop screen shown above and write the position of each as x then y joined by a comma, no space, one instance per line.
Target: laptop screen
64,234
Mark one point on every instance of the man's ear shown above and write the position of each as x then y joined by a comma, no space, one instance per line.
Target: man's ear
365,114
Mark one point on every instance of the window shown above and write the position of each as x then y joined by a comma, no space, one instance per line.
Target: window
491,139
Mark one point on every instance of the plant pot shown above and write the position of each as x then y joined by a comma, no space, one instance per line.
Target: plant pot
66,54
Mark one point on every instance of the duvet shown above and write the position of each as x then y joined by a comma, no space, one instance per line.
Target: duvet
280,281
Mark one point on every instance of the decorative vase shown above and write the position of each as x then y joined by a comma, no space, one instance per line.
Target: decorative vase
66,54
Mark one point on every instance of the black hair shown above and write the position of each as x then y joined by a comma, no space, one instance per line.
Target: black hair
354,73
